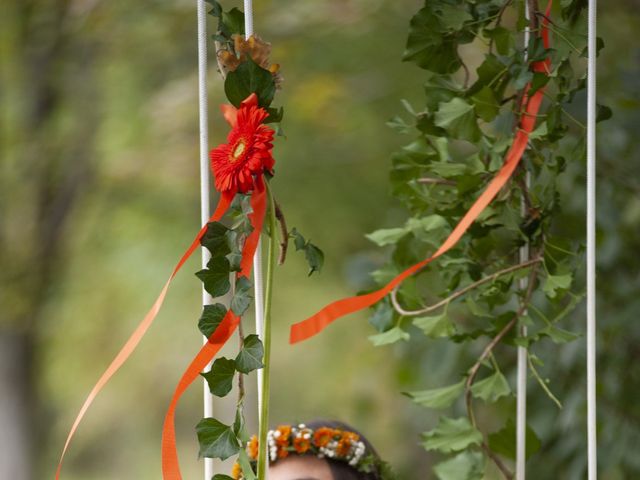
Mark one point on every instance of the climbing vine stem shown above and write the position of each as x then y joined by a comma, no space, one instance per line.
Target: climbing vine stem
263,456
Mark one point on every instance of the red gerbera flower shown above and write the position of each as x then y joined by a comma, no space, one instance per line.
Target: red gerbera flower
247,153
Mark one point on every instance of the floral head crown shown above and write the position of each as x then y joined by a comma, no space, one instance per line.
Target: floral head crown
323,442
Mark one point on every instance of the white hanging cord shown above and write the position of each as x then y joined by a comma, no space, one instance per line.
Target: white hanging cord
521,382
257,259
205,185
591,245
248,18
258,284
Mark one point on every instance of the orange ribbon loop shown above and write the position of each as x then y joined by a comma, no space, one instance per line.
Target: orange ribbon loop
316,323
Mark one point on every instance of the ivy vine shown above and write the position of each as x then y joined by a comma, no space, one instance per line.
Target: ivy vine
245,69
484,291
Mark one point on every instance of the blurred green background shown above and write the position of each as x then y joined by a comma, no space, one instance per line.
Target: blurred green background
99,195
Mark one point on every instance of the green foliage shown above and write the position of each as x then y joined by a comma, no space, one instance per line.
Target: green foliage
392,335
468,465
436,326
229,23
216,439
250,356
491,388
440,27
216,276
503,441
216,239
241,296
250,78
220,376
438,397
461,135
452,435
313,254
212,316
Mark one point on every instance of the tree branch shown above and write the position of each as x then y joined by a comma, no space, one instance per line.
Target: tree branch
458,293
437,181
473,372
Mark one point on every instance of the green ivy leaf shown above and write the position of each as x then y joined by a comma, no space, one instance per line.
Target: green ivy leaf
503,442
458,118
390,336
491,388
250,78
502,39
313,254
242,296
464,466
440,89
489,73
250,356
212,316
438,397
235,260
220,377
216,8
486,104
314,257
221,476
234,21
554,283
216,439
451,435
427,47
452,17
215,239
436,326
216,276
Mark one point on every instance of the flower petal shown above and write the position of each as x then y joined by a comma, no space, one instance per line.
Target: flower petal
230,114
251,100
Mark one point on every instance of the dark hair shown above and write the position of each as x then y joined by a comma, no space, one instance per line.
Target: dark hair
341,470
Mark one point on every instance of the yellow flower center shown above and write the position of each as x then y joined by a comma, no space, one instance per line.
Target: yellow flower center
238,150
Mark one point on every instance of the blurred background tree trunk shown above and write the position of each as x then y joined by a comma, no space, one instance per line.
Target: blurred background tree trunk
46,165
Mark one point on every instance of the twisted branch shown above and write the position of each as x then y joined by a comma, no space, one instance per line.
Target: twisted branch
473,372
411,313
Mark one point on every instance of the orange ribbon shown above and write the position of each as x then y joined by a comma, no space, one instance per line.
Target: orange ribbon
170,463
315,324
141,329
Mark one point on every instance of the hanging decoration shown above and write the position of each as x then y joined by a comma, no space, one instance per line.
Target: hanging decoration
243,168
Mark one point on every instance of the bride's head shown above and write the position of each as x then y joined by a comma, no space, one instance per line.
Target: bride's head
320,450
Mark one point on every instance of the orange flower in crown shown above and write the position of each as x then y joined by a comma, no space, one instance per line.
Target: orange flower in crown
302,441
236,471
344,444
323,436
252,447
238,165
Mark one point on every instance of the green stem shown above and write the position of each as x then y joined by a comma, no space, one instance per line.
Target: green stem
263,429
